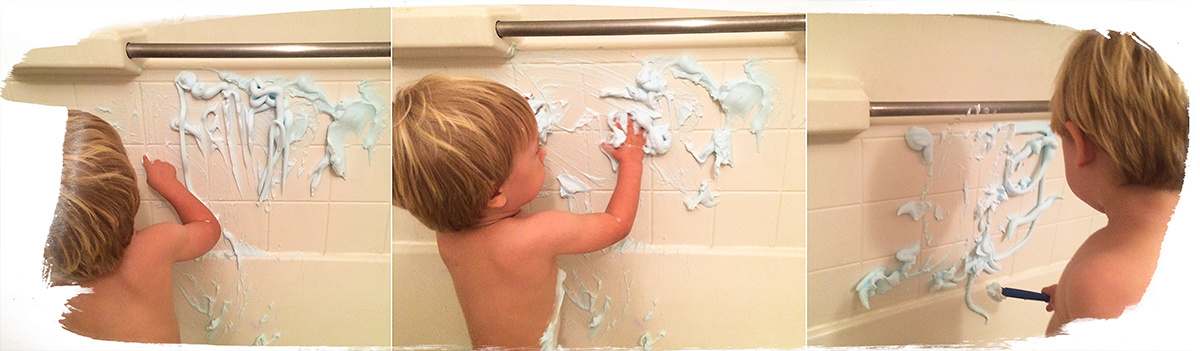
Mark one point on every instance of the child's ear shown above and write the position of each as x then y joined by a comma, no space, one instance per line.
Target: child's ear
498,200
1085,151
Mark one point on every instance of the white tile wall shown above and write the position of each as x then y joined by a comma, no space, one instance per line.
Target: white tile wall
858,185
142,110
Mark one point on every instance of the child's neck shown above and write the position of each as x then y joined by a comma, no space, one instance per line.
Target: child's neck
491,215
1137,205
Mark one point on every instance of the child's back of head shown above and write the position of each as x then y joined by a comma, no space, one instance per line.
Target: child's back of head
1127,101
453,144
97,202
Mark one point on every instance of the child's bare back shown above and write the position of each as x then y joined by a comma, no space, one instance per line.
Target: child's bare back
134,302
505,282
504,270
92,242
502,259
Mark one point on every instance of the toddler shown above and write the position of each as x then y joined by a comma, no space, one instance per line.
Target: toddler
1122,114
465,160
92,242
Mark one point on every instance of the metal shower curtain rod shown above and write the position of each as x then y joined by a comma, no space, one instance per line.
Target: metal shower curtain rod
644,26
929,108
258,50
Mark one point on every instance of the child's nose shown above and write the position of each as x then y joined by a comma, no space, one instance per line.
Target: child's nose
542,153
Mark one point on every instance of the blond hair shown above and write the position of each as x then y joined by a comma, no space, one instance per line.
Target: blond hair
454,139
1125,99
93,221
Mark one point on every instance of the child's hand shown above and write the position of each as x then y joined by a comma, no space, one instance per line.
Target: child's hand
631,150
1049,290
158,173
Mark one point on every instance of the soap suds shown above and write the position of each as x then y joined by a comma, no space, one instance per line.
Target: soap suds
979,255
288,125
720,147
549,339
915,209
920,140
647,343
704,196
749,97
569,185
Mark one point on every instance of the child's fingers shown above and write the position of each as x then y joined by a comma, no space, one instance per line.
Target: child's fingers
607,148
617,123
145,161
633,127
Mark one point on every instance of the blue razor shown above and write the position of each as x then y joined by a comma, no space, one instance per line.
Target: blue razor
1025,294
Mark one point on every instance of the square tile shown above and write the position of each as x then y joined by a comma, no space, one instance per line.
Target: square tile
746,219
368,177
1038,251
246,221
118,104
756,167
835,237
297,226
405,227
792,220
885,232
835,173
358,228
673,224
795,175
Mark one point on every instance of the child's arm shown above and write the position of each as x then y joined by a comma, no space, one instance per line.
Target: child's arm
574,233
200,228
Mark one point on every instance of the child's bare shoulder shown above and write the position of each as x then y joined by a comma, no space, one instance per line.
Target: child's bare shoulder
532,233
1104,280
159,242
